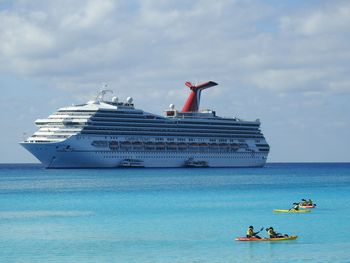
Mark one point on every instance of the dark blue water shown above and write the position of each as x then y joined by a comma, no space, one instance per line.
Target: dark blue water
172,215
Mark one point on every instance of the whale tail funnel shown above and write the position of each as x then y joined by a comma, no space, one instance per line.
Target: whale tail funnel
193,100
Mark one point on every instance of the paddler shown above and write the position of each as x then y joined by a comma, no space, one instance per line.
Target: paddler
310,202
295,207
251,233
273,234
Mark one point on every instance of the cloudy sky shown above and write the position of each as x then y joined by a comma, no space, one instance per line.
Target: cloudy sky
284,62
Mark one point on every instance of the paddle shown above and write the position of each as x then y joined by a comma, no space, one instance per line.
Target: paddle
294,206
259,231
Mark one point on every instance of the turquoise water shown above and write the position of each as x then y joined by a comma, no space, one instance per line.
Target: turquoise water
172,215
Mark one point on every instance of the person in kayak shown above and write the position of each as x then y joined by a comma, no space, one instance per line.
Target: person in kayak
273,234
310,202
251,233
303,202
295,207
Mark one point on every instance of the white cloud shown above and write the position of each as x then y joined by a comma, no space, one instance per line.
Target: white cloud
94,12
157,43
20,38
288,79
330,18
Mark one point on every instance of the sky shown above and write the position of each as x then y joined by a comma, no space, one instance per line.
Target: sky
284,62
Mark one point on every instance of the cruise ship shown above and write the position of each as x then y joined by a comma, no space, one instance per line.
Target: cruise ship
111,133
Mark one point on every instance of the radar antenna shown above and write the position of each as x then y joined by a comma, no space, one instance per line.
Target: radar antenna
102,92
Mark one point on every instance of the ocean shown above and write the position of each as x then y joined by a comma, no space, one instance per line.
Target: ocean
173,215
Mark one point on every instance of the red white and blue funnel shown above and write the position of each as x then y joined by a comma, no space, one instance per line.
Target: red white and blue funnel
193,100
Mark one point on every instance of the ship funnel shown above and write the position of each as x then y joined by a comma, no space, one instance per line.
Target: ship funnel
193,100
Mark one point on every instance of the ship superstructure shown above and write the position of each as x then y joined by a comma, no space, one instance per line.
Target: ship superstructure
104,133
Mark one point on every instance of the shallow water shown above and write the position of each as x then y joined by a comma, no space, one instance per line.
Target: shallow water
172,215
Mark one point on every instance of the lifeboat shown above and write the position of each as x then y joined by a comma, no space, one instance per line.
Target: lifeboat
195,163
131,163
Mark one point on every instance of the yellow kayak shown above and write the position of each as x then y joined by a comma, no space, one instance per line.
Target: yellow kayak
291,211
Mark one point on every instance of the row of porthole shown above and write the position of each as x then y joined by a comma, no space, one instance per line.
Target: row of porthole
181,157
244,155
189,151
172,153
183,140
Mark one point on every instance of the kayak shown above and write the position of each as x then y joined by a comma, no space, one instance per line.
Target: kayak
291,211
307,206
266,239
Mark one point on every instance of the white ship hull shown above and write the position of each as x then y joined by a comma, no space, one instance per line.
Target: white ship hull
107,134
81,154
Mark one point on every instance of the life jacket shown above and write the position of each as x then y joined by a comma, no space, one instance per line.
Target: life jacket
310,202
271,233
250,232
